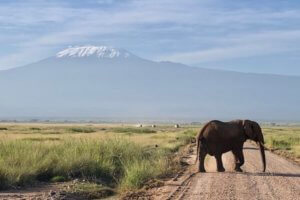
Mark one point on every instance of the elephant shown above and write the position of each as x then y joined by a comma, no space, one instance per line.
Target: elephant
217,137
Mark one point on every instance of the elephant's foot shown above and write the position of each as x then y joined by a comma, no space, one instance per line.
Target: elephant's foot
238,169
221,169
202,170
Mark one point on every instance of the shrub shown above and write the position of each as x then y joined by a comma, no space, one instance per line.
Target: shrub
35,129
132,130
81,130
280,144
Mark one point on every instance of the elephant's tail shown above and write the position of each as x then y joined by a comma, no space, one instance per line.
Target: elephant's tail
200,144
200,141
198,148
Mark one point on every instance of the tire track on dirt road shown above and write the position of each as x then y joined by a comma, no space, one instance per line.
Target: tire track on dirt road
282,177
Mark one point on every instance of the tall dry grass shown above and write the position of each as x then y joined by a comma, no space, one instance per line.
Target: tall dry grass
117,161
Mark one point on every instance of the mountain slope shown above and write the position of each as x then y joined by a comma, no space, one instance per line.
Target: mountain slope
84,84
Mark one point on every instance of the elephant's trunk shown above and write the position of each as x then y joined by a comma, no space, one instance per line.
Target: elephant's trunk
263,157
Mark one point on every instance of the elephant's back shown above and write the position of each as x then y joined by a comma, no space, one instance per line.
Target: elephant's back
215,125
211,129
219,136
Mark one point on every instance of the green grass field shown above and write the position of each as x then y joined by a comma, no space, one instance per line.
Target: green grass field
119,157
284,140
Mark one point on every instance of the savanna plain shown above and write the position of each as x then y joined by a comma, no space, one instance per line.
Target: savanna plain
92,161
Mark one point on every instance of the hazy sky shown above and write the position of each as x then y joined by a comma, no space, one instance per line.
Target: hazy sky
242,35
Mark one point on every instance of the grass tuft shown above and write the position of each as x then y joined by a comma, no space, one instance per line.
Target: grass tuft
58,179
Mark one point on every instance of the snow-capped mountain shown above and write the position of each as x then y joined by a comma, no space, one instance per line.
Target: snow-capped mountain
96,51
89,81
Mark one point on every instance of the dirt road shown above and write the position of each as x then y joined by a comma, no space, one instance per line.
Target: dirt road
280,181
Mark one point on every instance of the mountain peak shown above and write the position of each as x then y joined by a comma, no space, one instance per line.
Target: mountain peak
95,51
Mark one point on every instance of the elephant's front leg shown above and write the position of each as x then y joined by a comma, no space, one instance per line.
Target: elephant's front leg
219,163
239,159
202,155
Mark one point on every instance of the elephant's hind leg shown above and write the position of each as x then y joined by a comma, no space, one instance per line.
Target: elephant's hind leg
239,159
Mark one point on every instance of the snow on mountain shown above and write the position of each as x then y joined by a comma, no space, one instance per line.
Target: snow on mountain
98,51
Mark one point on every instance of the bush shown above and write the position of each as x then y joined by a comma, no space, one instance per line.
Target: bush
280,144
35,129
132,130
81,130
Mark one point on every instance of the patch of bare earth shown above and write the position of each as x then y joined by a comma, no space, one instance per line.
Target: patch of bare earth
43,191
55,191
280,181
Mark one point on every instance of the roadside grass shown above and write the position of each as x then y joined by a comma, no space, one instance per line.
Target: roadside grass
188,136
114,159
285,140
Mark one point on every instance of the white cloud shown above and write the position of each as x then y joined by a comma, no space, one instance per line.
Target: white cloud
192,31
258,44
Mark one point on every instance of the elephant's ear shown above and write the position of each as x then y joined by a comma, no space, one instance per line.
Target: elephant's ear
248,130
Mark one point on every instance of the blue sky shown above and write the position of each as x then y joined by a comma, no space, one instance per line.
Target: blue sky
261,36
